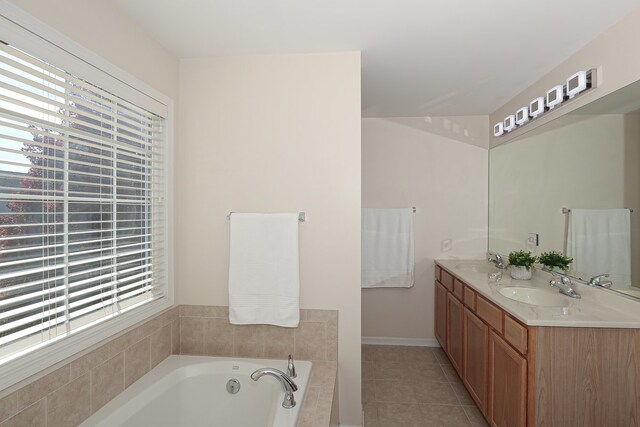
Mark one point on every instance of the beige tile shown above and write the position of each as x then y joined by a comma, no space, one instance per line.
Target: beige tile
98,356
369,353
204,311
369,391
38,389
192,335
332,339
8,406
463,395
137,361
32,416
423,355
390,353
310,341
443,415
407,371
321,315
160,344
440,355
175,336
107,380
369,371
71,404
248,340
475,416
400,415
450,373
218,337
394,391
323,373
437,393
370,415
311,397
278,342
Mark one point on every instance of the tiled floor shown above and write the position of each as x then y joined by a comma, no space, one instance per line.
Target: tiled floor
414,387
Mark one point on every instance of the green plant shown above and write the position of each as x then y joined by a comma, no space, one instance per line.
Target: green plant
522,259
555,259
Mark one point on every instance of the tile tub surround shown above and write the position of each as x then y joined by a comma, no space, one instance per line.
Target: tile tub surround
73,390
205,330
414,387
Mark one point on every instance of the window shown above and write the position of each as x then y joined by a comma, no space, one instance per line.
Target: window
82,202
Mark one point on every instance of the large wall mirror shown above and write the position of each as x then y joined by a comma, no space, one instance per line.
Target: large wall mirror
575,183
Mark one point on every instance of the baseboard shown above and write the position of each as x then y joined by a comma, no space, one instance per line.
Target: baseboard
414,342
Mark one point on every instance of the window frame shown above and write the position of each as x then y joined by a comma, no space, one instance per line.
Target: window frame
52,46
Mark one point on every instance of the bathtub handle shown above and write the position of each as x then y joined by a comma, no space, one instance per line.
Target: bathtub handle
291,368
285,380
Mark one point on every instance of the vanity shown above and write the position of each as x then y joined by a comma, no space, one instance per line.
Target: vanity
530,356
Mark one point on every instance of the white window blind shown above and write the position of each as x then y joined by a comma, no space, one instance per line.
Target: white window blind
82,215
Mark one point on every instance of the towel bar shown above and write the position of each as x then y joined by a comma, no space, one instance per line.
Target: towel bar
302,216
567,210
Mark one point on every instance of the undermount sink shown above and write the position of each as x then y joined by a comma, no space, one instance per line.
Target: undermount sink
483,268
533,296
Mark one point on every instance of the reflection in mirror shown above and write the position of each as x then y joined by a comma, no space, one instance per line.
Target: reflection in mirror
588,162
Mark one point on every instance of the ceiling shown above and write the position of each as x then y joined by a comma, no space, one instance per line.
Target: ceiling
419,57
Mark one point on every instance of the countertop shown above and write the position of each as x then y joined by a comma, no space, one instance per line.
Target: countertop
597,308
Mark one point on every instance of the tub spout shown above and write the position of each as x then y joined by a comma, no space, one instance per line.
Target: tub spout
285,380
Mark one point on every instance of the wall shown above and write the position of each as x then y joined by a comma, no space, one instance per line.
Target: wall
275,133
409,162
614,53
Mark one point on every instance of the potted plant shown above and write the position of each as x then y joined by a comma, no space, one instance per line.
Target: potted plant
521,264
555,261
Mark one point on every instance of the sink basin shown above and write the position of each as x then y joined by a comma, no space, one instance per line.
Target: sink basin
533,296
478,267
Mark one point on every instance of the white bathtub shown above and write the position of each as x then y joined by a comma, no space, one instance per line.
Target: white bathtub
191,391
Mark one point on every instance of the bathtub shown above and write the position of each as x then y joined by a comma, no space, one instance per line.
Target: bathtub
192,391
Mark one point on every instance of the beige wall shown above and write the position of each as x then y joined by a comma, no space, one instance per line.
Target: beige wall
275,133
101,27
614,53
406,163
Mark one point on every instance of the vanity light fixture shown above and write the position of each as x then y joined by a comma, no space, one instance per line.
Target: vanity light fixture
577,83
509,123
555,96
522,116
537,107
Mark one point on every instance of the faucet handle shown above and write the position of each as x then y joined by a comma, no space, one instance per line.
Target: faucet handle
597,281
291,368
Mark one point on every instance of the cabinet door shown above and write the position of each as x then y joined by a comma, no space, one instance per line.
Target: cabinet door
454,331
507,385
476,359
441,315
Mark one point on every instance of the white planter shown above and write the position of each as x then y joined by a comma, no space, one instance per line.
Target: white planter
521,273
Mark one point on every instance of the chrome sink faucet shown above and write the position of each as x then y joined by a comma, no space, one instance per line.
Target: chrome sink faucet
564,286
497,260
597,282
285,380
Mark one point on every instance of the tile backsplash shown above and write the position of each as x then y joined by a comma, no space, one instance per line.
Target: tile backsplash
205,330
70,393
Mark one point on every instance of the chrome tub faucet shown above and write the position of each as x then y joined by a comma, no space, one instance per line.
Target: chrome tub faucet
285,380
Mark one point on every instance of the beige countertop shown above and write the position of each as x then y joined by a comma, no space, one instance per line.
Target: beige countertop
597,308
318,401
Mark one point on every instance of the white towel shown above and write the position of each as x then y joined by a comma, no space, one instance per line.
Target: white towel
264,270
387,248
599,242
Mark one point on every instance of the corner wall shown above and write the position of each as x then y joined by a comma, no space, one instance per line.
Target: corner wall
275,133
412,162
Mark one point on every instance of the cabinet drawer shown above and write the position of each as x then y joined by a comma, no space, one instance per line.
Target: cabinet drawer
515,334
489,313
438,270
458,289
470,298
447,280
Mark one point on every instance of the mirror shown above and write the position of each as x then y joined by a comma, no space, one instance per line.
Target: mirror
588,162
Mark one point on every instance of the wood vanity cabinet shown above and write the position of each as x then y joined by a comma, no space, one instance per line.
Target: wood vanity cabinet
454,331
535,376
507,385
476,358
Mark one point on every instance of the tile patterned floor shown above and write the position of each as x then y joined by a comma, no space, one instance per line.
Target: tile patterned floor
414,387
